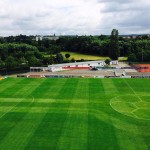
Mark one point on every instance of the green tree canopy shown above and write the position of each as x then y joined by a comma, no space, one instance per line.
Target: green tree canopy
11,63
132,58
107,61
59,58
114,45
67,55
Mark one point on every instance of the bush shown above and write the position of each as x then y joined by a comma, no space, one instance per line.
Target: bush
107,61
132,58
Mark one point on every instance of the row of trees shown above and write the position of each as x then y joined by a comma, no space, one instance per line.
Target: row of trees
113,46
21,56
23,51
14,56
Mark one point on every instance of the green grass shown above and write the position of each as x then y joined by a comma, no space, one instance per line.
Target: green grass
74,114
122,58
79,56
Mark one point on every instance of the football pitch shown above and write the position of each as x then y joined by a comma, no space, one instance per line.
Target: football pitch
74,114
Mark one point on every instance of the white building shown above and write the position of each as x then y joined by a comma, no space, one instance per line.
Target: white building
76,65
52,38
38,38
114,62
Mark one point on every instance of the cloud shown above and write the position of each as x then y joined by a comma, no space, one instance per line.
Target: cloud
73,16
129,16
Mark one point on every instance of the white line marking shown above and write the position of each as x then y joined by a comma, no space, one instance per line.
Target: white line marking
10,109
32,99
15,106
134,110
133,90
115,99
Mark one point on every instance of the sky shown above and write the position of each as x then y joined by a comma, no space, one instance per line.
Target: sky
74,17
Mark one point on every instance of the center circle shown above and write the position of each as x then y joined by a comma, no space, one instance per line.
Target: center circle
132,105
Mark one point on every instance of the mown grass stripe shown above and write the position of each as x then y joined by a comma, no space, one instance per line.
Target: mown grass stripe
49,129
98,120
122,86
74,134
26,88
51,88
73,114
5,110
8,122
139,85
124,138
109,87
68,89
96,93
19,136
76,123
8,84
10,91
11,117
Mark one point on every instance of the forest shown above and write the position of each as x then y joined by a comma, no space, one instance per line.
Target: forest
20,52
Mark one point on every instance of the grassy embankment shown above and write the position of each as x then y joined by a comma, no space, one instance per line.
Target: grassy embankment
79,56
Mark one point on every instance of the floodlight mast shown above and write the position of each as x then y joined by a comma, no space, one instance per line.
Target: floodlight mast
142,55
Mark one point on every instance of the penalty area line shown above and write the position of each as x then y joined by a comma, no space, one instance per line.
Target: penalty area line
32,99
133,91
30,103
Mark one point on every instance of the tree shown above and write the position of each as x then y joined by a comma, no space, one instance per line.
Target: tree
1,63
33,61
59,58
132,57
67,55
11,63
114,45
107,61
52,59
22,62
54,49
73,60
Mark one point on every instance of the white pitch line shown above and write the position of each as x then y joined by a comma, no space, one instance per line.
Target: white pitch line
9,110
14,107
134,110
133,90
131,112
32,99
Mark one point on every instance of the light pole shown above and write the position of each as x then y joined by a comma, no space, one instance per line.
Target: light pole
142,55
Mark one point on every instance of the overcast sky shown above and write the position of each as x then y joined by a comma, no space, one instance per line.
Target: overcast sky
90,17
